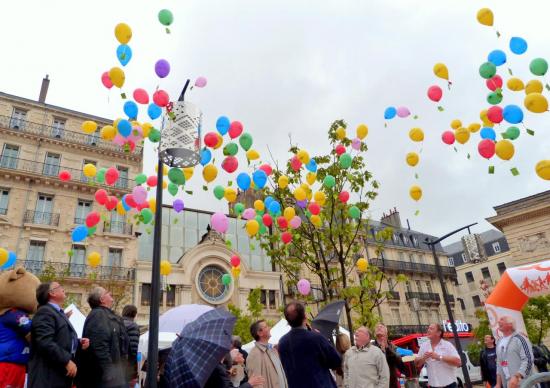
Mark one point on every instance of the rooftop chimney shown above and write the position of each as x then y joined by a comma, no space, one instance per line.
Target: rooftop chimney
44,89
392,219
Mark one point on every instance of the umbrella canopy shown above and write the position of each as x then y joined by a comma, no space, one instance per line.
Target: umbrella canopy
327,319
201,346
174,320
164,342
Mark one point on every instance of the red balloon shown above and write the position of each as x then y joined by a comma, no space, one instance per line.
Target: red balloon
295,163
111,176
141,96
282,222
286,237
130,201
486,148
266,168
314,208
152,181
131,145
111,203
101,196
92,219
435,93
211,139
494,114
494,83
343,196
340,149
141,206
235,129
161,98
230,164
235,261
65,175
448,137
267,220
106,80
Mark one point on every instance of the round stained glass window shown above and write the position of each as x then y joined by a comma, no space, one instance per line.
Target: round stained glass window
210,284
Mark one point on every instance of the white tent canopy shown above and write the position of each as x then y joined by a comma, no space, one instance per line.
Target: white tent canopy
165,341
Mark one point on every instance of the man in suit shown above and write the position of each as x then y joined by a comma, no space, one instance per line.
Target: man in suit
54,342
307,357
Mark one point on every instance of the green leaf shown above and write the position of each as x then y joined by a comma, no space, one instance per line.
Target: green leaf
498,34
205,188
415,117
172,115
440,108
229,183
530,131
190,192
547,87
385,125
491,169
417,212
123,96
415,176
228,244
168,30
454,148
514,171
176,220
510,71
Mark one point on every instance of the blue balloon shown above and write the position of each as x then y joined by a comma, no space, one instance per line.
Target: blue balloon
206,156
513,114
488,133
131,109
497,57
222,125
12,258
79,233
518,45
268,200
124,128
390,113
243,181
124,54
154,111
260,178
274,207
124,204
311,165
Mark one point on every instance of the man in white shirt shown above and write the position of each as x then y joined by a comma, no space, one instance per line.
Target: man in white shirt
440,357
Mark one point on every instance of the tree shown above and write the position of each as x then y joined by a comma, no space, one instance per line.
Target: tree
536,315
245,320
480,331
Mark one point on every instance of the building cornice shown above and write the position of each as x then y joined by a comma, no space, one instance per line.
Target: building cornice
522,214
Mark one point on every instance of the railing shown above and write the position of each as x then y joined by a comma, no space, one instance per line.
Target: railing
60,270
118,227
92,140
406,266
451,298
3,211
394,295
52,170
41,218
79,221
401,330
424,296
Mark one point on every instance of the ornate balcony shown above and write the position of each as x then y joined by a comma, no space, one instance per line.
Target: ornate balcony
394,296
429,297
41,218
118,227
405,266
402,330
58,271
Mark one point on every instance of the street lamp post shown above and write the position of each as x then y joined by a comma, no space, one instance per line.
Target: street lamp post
432,243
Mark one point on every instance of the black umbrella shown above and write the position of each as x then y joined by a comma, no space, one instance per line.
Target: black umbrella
328,318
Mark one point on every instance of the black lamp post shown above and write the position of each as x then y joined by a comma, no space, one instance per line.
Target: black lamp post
432,244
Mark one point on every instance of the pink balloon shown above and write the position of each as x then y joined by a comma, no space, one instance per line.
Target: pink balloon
249,214
494,114
106,80
435,93
486,148
295,222
220,222
494,83
119,140
140,194
356,144
235,129
111,176
200,82
266,168
304,287
403,111
448,137
295,163
141,96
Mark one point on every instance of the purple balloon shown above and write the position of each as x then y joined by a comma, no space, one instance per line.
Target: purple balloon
356,144
162,68
200,82
403,111
304,287
249,214
178,205
302,204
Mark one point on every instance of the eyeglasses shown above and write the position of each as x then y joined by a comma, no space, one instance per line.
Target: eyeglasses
55,288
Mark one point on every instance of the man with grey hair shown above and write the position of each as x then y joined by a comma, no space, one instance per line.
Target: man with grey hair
104,365
514,355
394,361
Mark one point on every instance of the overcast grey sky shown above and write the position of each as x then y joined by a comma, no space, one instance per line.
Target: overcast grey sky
293,67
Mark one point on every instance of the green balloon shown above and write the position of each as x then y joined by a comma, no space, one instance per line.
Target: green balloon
354,212
259,219
176,176
245,141
263,229
230,149
512,133
146,215
154,135
329,181
261,213
226,279
345,160
239,208
100,176
487,70
172,188
538,66
91,230
219,191
141,179
494,98
165,17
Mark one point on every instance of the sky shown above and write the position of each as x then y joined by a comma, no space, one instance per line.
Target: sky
287,69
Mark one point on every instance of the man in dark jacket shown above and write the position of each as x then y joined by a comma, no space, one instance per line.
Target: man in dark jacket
129,313
393,360
106,360
307,357
54,342
488,361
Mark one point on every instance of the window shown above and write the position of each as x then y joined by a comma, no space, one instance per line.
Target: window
263,298
429,287
485,273
462,304
402,239
391,284
93,138
51,164
469,277
18,119
414,241
115,257
83,207
418,286
123,177
58,128
145,294
451,261
171,296
4,197
395,239
412,258
464,258
476,300
10,156
77,267
408,286
272,303
43,210
501,268
211,287
118,222
496,247
83,177
396,316
401,256
36,250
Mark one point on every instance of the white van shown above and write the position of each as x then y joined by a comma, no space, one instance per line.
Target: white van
473,371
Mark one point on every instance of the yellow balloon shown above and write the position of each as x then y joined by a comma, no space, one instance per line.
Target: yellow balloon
153,205
320,198
165,268
259,205
412,159
474,127
362,131
415,192
362,264
94,259
188,172
315,220
252,227
230,194
311,177
441,71
533,86
543,169
341,133
117,76
485,16
252,155
209,173
536,103
456,123
220,141
108,132
303,156
485,120
462,135
89,170
120,209
515,84
289,213
4,256
123,33
300,194
283,181
89,126
504,149
146,128
416,134
164,184
236,271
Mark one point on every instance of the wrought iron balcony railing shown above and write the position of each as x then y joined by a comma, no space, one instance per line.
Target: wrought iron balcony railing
118,227
394,295
41,218
424,296
58,271
405,266
401,330
43,130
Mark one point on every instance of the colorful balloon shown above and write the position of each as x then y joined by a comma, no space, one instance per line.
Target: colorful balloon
485,17
435,93
243,181
304,287
504,149
219,222
161,98
123,33
124,54
390,113
536,103
412,159
230,164
518,45
488,133
513,114
487,70
543,169
512,133
474,127
165,17
117,76
343,196
94,259
533,86
416,134
79,233
415,192
448,137
106,80
252,227
89,170
494,114
486,148
497,57
130,109
141,96
362,264
162,69
92,219
515,84
245,141
222,125
362,131
235,130
441,71
111,176
64,175
178,205
201,82
403,112
494,83
538,66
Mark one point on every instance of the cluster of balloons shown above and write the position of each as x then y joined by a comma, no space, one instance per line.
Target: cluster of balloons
235,267
401,111
7,259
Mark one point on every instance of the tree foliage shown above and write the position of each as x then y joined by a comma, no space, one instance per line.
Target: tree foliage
536,315
480,331
245,319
